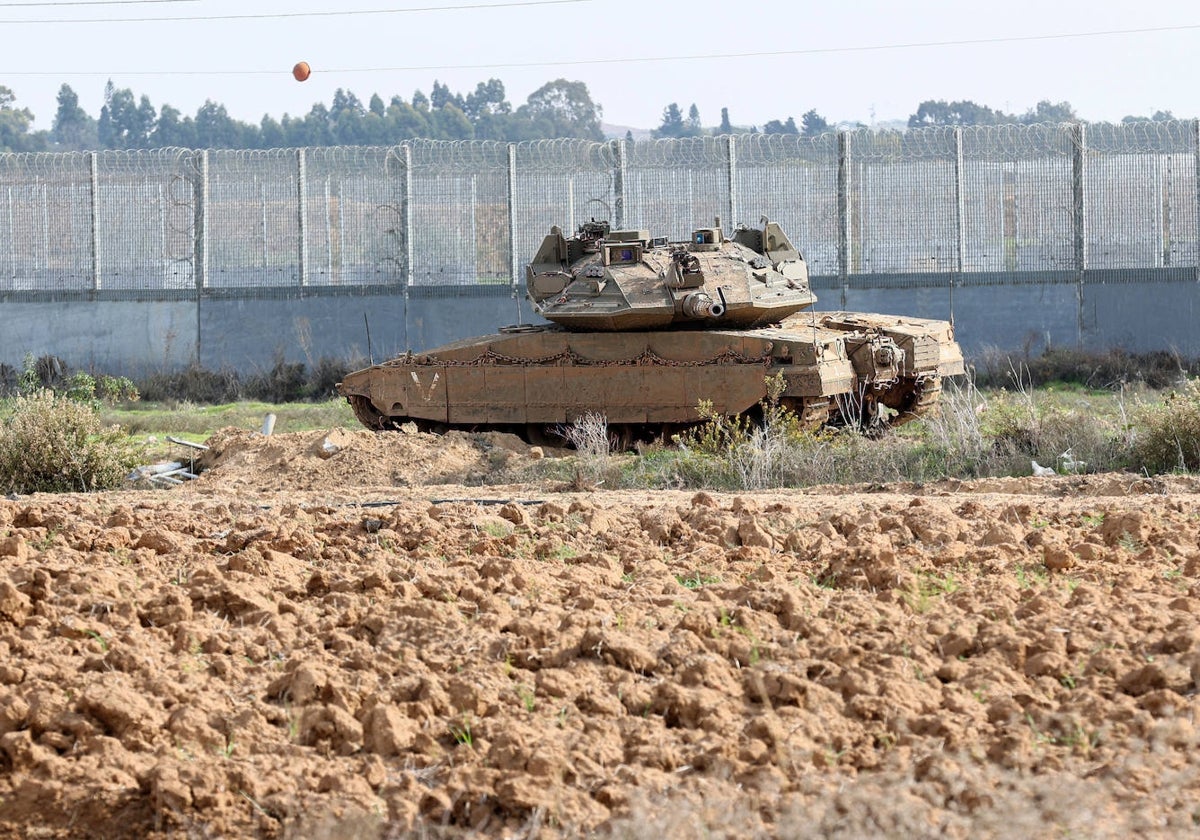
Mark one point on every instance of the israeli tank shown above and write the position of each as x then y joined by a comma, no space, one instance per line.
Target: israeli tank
644,330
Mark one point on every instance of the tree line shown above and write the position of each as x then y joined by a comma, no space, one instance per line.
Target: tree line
558,109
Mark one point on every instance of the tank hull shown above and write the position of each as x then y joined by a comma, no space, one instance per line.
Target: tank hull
531,380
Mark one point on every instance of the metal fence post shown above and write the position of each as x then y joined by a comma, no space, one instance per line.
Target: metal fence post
406,225
200,244
619,186
731,176
844,208
511,202
94,186
960,212
302,212
1079,211
200,221
406,214
1196,181
960,202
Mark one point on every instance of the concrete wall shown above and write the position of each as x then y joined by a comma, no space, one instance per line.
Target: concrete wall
985,317
249,333
134,337
108,336
1146,316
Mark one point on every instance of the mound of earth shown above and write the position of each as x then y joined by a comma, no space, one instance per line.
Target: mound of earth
274,651
297,461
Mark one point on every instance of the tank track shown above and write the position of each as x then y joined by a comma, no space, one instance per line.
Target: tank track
914,399
367,414
889,407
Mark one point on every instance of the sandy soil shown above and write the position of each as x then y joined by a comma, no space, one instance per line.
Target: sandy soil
343,635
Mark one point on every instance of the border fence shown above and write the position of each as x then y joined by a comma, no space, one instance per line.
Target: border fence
938,211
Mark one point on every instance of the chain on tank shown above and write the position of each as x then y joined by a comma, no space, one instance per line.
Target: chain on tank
646,358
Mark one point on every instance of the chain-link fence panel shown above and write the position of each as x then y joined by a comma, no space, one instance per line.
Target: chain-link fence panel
353,213
1182,208
1136,218
791,180
559,182
46,222
251,218
459,193
145,207
1019,210
903,202
673,186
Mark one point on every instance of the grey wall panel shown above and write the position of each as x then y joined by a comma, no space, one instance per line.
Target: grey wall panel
113,337
253,334
1143,317
985,317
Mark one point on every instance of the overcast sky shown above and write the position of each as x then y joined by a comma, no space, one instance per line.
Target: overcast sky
852,60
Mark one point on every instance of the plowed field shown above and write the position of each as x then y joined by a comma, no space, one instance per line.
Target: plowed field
349,636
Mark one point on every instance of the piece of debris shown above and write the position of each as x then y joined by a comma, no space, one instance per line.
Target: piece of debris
163,474
1040,471
187,443
1068,464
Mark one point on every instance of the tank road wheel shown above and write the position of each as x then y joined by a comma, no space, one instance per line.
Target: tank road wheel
859,409
367,414
539,434
622,437
432,427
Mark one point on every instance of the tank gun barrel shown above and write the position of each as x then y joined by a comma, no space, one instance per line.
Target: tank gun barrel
699,305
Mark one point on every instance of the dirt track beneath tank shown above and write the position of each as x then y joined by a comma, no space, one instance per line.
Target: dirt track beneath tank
355,643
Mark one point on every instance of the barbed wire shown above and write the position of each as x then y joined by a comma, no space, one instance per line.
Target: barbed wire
1143,137
768,149
1005,142
567,155
458,155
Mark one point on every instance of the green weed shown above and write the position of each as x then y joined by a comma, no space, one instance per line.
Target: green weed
696,580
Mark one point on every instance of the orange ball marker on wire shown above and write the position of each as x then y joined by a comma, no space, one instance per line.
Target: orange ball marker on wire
301,71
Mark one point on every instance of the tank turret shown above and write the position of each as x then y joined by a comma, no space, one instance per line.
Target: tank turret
606,280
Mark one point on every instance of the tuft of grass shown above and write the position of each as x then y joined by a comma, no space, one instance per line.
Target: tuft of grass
927,589
462,733
696,580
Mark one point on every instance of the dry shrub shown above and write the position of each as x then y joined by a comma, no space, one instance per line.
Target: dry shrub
1168,433
193,384
588,435
50,443
284,382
